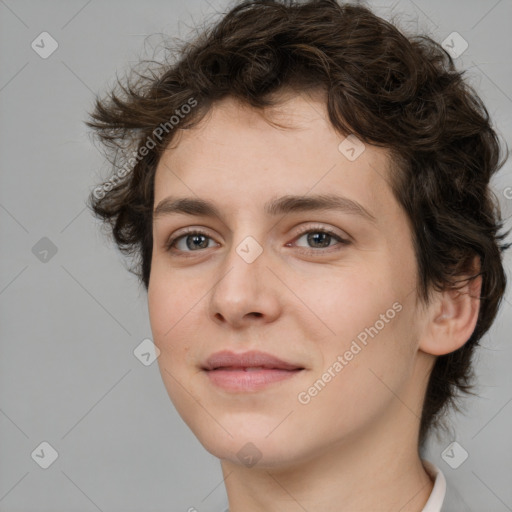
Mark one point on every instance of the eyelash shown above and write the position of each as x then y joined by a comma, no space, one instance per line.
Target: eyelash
311,251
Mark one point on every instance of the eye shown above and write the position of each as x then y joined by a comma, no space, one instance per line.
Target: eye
189,241
195,240
320,238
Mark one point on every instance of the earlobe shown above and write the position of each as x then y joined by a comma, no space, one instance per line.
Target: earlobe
452,320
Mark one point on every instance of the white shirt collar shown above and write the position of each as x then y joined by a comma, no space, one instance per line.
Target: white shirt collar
436,498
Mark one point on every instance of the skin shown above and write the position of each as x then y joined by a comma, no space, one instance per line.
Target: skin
353,446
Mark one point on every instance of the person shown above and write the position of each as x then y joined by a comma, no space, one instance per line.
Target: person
331,176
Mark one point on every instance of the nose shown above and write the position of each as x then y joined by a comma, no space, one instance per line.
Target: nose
247,293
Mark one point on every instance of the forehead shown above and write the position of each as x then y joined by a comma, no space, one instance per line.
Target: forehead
238,158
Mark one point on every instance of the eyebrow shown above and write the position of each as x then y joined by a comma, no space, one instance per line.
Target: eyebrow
278,206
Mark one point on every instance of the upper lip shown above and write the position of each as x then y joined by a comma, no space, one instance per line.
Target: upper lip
251,359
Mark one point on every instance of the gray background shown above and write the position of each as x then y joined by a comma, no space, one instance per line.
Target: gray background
69,324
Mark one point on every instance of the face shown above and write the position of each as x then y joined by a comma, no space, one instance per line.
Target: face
287,323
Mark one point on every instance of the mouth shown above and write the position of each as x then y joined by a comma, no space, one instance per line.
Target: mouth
248,371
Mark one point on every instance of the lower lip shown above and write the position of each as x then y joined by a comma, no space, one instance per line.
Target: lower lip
240,380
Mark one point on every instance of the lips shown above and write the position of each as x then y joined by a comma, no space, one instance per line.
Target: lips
248,360
249,371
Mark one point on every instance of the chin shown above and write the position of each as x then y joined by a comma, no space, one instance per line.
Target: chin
252,446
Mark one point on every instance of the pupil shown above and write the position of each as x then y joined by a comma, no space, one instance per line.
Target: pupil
314,238
195,239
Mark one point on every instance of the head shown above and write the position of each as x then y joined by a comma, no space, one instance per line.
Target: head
239,121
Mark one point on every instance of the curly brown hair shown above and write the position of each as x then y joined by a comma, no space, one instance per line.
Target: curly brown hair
401,93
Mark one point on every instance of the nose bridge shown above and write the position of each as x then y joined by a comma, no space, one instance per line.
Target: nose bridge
244,287
243,269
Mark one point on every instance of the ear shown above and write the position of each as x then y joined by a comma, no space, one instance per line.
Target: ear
451,318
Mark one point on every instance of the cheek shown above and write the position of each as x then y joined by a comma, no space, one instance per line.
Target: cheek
370,317
172,310
172,317
170,298
365,366
353,302
161,309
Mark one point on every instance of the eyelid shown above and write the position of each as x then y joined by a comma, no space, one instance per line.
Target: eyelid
318,227
321,251
191,230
